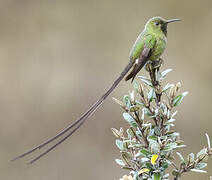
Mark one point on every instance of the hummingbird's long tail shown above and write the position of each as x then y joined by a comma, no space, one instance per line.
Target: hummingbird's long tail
79,122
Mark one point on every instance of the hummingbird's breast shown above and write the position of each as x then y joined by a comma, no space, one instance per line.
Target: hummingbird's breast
159,48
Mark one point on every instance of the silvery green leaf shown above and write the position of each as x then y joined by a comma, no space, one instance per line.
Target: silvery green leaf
134,108
175,173
208,140
147,112
169,133
168,114
143,114
164,73
144,159
143,77
181,146
202,152
136,86
164,108
166,175
129,119
147,125
151,95
155,147
126,155
157,130
174,114
201,165
198,170
156,176
167,128
146,81
138,133
179,142
152,131
130,133
119,144
135,176
170,121
180,156
145,152
118,102
115,132
165,165
127,142
138,154
191,157
174,134
126,100
158,76
163,138
139,103
167,87
137,145
154,138
169,162
132,96
132,172
178,99
119,162
149,165
170,146
126,167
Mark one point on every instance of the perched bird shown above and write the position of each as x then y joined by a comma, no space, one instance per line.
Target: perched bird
149,45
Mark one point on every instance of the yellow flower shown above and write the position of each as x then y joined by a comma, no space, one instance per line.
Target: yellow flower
154,159
143,171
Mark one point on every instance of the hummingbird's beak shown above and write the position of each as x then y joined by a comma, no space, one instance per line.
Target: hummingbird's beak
172,20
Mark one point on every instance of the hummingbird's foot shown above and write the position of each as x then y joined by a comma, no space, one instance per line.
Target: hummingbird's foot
156,64
148,66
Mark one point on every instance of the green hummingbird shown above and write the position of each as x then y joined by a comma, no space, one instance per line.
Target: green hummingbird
149,45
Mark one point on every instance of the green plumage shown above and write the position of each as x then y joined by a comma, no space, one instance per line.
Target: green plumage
152,37
149,45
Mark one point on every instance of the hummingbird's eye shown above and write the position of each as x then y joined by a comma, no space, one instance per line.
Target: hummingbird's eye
157,23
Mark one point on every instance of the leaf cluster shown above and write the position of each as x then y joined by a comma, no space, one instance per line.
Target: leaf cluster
148,145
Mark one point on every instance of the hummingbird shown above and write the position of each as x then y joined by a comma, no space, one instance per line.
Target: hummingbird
149,46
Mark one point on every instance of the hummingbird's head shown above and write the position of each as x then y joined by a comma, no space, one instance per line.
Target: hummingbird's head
159,25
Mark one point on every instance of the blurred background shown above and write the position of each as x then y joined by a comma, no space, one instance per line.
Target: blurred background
58,57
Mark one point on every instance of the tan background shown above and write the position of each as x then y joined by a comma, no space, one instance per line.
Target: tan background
58,57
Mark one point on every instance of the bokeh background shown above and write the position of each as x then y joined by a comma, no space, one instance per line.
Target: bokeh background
58,57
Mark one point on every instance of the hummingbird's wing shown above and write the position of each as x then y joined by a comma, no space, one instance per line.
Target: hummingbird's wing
139,64
79,122
141,51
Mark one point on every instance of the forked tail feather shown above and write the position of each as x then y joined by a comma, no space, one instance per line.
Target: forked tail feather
78,123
